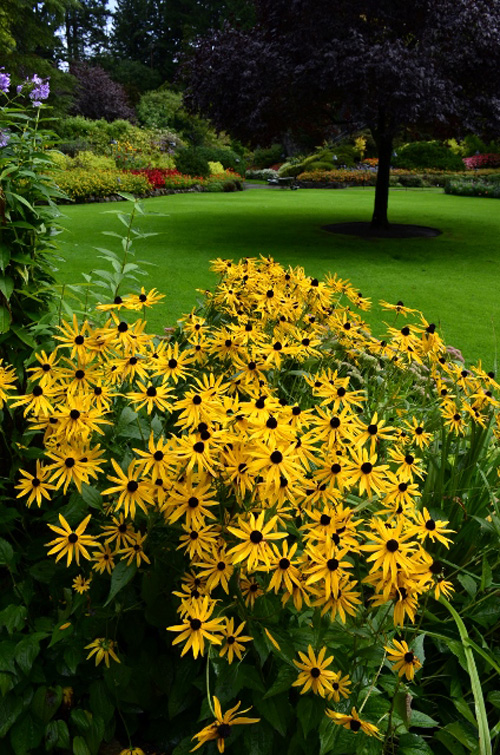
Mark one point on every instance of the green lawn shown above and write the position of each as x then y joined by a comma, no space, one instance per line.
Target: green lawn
453,278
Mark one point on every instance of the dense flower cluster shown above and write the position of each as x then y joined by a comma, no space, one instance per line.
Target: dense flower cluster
271,461
488,160
349,177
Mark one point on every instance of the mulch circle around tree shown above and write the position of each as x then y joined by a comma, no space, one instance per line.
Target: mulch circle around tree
394,231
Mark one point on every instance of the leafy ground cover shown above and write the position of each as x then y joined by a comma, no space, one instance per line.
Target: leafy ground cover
452,278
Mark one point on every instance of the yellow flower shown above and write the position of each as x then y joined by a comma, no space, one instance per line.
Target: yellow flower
35,486
71,542
81,584
314,673
103,649
405,661
234,640
220,729
353,722
256,536
198,627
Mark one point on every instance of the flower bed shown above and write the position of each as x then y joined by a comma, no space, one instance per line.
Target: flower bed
489,160
263,506
474,187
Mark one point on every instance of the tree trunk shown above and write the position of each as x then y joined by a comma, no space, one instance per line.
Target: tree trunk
384,146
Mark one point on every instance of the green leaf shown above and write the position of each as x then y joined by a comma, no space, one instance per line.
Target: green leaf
7,656
422,720
494,698
27,650
309,711
277,711
259,739
468,584
6,286
80,746
13,617
72,657
91,496
6,553
11,707
328,733
82,719
486,574
100,701
7,682
5,319
57,735
286,675
4,257
46,701
412,744
121,576
26,734
480,709
459,733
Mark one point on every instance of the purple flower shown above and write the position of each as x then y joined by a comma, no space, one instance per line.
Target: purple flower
4,81
4,138
40,91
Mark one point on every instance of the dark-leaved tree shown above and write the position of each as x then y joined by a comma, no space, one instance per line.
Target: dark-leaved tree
381,64
97,95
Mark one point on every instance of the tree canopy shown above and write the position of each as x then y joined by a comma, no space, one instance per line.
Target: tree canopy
380,64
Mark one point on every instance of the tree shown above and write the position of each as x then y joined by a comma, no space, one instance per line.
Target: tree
157,32
85,28
380,64
98,96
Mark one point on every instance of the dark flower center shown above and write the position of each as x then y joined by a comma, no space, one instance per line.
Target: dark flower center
276,457
272,423
223,731
73,538
158,455
332,564
341,392
284,563
199,447
46,367
196,400
409,657
193,502
133,361
35,482
195,624
325,519
372,429
143,297
221,566
392,545
430,525
256,537
409,459
402,487
315,672
80,374
122,528
69,462
335,685
122,327
172,363
405,331
335,468
419,430
132,486
151,391
366,467
334,422
259,404
354,724
252,365
74,414
97,391
193,535
79,340
296,411
37,390
242,467
231,640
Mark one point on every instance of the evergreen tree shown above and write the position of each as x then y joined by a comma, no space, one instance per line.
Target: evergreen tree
85,29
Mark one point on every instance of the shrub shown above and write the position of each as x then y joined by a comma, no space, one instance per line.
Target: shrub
265,157
158,109
412,181
80,184
229,159
215,168
464,187
90,161
261,175
427,155
290,169
339,177
191,162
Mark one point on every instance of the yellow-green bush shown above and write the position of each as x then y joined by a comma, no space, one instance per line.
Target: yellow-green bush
81,184
216,168
90,161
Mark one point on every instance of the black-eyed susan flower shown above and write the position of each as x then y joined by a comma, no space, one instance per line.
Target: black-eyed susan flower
425,526
71,543
353,722
134,551
73,337
251,590
197,542
256,536
151,396
340,687
328,565
233,641
81,584
389,548
45,372
198,627
7,379
284,568
217,569
131,489
314,673
35,486
104,559
220,729
403,659
39,401
102,649
192,497
364,470
118,532
72,464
